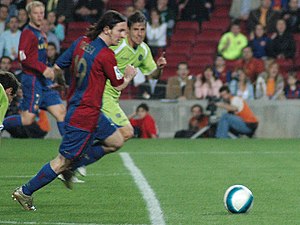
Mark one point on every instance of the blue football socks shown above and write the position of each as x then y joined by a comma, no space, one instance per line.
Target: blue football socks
43,177
61,127
12,121
92,155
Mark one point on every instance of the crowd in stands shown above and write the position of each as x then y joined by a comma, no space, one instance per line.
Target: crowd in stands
256,54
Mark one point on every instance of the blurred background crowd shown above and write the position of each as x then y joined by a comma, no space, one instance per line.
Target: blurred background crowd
252,46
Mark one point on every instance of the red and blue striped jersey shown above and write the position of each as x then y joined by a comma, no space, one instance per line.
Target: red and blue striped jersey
91,63
32,52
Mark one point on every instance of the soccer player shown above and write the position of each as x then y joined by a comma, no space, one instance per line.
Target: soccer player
35,85
134,51
8,88
92,63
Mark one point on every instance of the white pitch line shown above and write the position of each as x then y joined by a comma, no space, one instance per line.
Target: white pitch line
214,153
153,206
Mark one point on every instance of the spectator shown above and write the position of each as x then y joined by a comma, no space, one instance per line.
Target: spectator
282,45
56,28
22,18
51,37
51,6
264,15
129,10
12,8
241,86
279,5
207,85
270,84
52,54
140,5
181,86
292,89
89,10
65,11
5,63
143,123
258,42
220,70
156,33
239,117
3,17
9,40
198,121
195,10
240,9
252,66
152,89
167,15
292,16
231,43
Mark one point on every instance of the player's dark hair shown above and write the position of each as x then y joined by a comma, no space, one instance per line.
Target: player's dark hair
5,57
182,63
197,106
137,17
52,44
109,19
143,106
8,80
224,88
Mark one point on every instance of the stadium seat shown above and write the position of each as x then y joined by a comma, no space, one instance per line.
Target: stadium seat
217,25
187,25
285,65
200,61
208,36
183,36
174,59
221,12
169,71
202,48
174,50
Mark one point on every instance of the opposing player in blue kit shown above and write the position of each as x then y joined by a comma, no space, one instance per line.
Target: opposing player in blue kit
92,63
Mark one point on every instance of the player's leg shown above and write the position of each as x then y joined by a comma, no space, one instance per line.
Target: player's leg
113,111
73,144
108,139
32,91
126,131
53,103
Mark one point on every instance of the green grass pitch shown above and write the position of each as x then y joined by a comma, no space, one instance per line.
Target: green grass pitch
189,178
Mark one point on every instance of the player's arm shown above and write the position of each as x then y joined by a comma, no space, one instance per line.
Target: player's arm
160,64
118,80
129,74
28,54
64,61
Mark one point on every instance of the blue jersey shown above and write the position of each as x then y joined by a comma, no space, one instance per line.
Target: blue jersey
92,63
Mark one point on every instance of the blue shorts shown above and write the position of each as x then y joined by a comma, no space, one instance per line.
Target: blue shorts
37,94
76,141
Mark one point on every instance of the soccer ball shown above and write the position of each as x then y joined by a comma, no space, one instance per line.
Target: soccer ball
238,199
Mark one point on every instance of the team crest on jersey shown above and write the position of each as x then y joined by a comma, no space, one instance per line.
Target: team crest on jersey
22,55
118,73
140,58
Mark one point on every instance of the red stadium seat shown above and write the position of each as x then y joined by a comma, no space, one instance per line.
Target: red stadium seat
182,36
174,50
218,25
169,71
187,25
285,65
174,59
202,48
208,36
221,12
200,61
